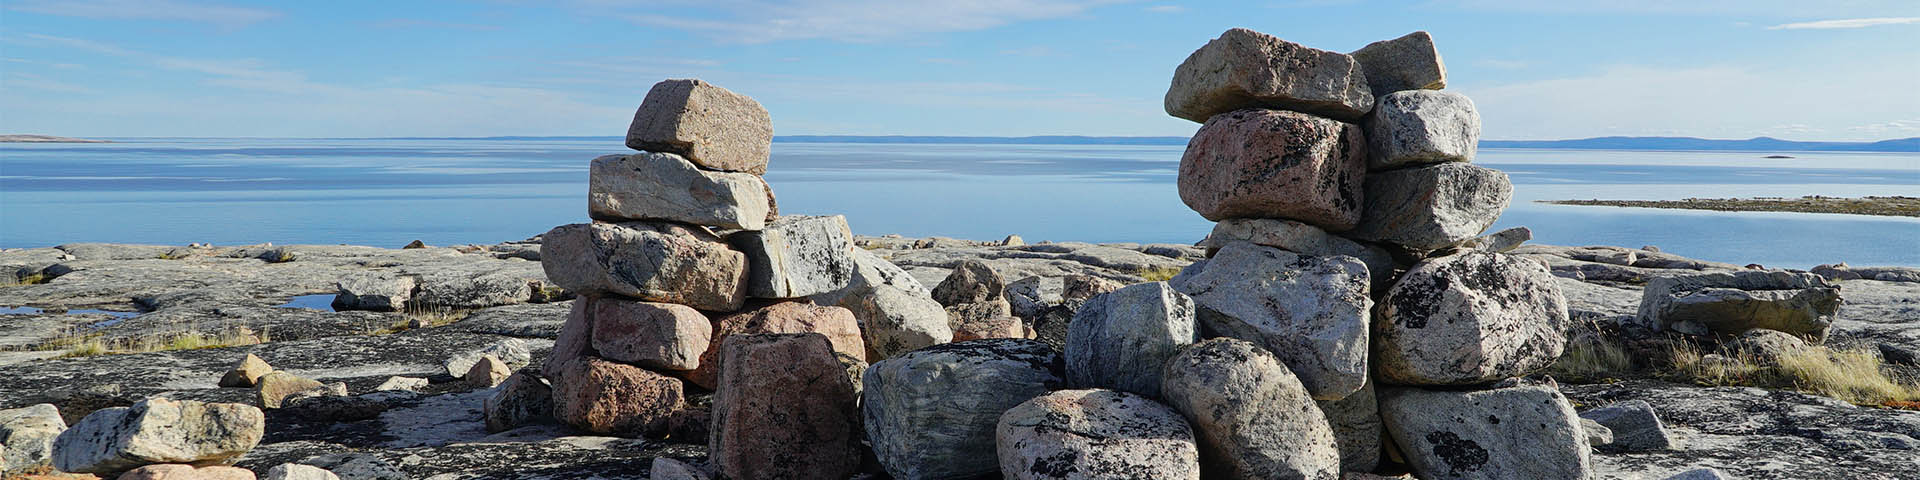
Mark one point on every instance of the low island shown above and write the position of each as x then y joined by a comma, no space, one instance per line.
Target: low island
22,138
1895,206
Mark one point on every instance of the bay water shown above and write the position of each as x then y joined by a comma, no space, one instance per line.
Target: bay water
387,192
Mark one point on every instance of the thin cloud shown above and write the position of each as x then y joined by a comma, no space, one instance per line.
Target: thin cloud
1166,9
1847,23
402,23
173,10
860,21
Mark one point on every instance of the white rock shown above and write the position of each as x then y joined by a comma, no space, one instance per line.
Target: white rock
513,352
1418,127
295,471
712,126
652,261
1120,340
1470,318
158,430
1514,432
26,437
1253,419
1087,434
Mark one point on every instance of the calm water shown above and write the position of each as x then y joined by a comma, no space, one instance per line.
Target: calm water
390,192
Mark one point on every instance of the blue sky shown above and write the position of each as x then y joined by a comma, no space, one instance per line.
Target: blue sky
1827,70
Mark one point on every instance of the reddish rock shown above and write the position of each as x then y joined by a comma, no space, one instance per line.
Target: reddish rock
174,471
993,327
612,398
837,324
662,336
1258,163
784,409
1245,68
575,340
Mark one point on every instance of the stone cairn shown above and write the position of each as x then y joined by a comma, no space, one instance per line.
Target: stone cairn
688,279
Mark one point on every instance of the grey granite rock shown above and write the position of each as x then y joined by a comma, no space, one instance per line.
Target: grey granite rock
1356,428
1311,312
1469,318
523,399
667,187
1120,340
1298,238
1733,302
971,282
1244,68
894,321
513,352
1252,418
1074,434
1418,127
1407,63
26,437
370,291
1635,426
712,126
1432,207
930,413
658,262
158,430
1513,432
797,256
1597,435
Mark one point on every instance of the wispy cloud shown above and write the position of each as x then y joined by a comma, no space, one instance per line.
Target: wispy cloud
1166,9
1847,23
1032,51
416,23
762,21
174,10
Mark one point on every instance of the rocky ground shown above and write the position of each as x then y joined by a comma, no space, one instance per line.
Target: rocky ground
485,296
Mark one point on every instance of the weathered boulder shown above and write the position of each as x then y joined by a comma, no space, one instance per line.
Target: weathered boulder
245,372
1418,127
1298,238
797,256
1356,428
1469,318
26,437
666,187
1309,311
614,398
273,388
372,291
1406,63
1429,208
712,126
1703,473
295,471
972,281
1120,340
837,324
1500,242
965,312
664,468
896,321
1031,297
1513,432
1253,419
1074,434
523,399
1802,304
357,466
487,372
174,471
332,404
778,392
661,336
475,289
1635,427
1257,163
870,270
1244,68
930,413
1597,435
511,352
976,328
1768,346
657,262
158,430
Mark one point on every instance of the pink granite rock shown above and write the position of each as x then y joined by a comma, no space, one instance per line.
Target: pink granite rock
784,409
1258,163
660,336
838,324
612,398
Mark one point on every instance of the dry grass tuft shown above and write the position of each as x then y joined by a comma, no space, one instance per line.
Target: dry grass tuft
34,279
416,315
1854,375
1592,362
1157,274
95,344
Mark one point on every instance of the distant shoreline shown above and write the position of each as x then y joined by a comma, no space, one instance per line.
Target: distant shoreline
1895,206
45,139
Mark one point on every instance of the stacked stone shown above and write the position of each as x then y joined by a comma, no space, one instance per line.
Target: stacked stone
688,279
1338,180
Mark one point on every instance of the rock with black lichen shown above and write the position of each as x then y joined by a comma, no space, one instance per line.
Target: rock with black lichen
930,413
1513,432
1469,318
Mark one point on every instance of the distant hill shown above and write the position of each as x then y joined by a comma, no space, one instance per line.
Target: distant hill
23,138
1756,144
